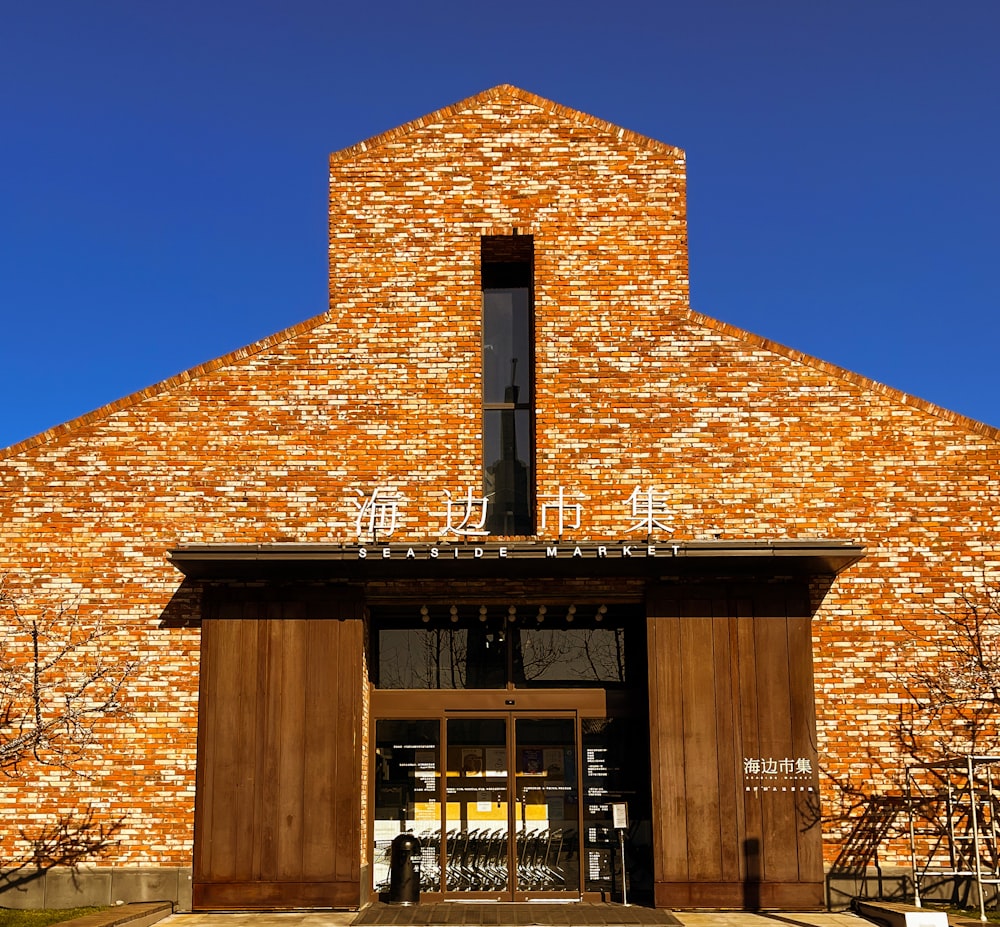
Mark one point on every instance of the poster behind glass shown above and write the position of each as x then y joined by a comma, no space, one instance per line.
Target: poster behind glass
547,805
407,796
614,761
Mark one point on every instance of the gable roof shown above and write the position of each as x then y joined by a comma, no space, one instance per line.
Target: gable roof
258,347
842,373
164,386
503,93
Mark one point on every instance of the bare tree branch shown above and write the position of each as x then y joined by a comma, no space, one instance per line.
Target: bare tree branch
950,675
947,673
57,684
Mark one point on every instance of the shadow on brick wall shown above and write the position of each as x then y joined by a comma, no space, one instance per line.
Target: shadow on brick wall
62,843
184,610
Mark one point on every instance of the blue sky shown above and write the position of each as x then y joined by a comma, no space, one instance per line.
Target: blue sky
163,169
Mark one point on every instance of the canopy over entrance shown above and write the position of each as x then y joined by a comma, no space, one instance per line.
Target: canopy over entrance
514,559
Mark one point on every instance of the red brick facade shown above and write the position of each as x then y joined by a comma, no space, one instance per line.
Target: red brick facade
746,439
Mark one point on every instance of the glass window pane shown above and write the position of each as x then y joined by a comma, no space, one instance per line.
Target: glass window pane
570,655
547,805
615,763
467,646
407,796
443,654
508,477
422,658
506,346
477,811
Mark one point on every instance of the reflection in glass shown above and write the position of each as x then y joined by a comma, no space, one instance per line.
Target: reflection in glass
507,388
547,805
507,478
443,655
407,797
571,655
422,658
468,646
476,809
506,345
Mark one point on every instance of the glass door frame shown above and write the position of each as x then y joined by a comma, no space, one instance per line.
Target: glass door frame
575,704
516,840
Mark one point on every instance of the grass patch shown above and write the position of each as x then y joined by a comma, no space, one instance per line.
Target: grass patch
41,917
956,914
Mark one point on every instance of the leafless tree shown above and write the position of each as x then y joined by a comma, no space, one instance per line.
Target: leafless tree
950,674
57,683
947,672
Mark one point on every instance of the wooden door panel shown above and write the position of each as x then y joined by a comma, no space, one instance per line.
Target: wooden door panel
779,857
810,856
749,839
730,675
320,760
701,742
726,652
277,814
228,751
667,752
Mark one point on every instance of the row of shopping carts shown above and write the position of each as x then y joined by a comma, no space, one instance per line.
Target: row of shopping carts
477,860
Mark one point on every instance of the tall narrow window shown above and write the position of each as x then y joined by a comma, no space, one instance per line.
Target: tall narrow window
508,384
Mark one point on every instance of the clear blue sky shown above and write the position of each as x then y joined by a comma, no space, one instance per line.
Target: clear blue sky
163,169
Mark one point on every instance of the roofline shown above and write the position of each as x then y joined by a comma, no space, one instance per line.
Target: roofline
504,91
858,379
256,347
192,373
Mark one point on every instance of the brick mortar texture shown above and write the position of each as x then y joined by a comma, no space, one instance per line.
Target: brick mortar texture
747,439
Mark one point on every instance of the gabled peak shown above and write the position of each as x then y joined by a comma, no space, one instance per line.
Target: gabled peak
504,94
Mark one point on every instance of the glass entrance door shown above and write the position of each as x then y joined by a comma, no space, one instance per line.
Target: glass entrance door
547,806
477,806
511,808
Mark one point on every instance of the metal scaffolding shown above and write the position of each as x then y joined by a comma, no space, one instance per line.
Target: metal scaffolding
954,820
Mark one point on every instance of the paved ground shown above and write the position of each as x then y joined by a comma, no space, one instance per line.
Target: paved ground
521,914
503,918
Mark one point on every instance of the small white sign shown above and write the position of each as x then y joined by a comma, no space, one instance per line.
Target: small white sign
619,814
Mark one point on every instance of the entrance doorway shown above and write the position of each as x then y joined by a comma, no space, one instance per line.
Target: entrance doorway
512,808
501,738
493,798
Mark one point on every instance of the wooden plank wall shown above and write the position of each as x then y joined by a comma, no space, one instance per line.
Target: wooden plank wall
277,811
730,680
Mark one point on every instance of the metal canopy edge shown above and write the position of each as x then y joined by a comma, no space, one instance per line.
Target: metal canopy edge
494,558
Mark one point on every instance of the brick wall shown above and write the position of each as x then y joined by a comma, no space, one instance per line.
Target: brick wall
745,438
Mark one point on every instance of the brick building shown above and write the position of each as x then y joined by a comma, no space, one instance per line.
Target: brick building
505,539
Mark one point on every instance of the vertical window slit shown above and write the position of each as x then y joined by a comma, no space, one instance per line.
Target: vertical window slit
507,274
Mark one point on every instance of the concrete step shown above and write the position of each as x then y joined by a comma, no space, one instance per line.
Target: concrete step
143,914
895,914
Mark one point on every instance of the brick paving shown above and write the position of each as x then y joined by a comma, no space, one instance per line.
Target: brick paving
513,915
522,914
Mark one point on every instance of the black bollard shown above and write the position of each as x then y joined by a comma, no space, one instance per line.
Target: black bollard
404,870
